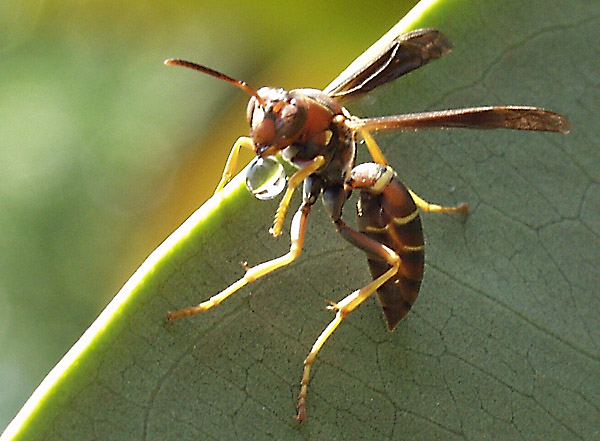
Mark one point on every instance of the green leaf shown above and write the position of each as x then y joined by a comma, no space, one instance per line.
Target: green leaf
504,340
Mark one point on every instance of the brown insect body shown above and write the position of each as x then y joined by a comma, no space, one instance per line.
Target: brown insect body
311,130
392,218
300,125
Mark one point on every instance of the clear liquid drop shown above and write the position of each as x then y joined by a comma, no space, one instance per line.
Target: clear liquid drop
265,178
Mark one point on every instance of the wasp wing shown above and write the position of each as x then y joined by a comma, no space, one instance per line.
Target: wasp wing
495,117
403,54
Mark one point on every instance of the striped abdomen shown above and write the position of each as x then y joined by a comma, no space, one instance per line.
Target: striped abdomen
392,218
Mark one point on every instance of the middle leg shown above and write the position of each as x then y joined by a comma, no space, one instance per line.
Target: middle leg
463,207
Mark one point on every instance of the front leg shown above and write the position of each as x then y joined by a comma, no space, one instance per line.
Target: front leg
293,182
258,271
242,141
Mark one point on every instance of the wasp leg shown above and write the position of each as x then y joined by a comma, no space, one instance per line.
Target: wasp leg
378,157
463,207
293,182
258,271
373,148
349,303
243,141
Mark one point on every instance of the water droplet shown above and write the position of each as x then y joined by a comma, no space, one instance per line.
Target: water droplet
265,178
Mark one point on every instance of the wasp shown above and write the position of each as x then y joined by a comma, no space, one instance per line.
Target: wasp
312,130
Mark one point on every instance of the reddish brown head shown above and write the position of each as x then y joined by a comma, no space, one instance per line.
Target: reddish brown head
277,121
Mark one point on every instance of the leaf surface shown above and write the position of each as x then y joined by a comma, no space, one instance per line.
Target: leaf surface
503,342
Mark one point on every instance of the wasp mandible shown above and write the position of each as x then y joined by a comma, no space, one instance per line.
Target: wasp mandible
311,130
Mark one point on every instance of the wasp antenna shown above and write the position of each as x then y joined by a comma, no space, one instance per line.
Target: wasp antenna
213,73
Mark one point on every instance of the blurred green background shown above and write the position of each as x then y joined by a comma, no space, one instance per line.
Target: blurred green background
104,151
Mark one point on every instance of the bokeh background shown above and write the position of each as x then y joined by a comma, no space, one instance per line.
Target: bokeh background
104,151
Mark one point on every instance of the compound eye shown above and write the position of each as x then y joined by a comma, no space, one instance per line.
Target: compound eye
250,109
291,119
265,178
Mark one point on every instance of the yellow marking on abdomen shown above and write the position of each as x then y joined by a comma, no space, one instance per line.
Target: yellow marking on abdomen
404,220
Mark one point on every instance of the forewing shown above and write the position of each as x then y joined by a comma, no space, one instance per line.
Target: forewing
497,117
403,54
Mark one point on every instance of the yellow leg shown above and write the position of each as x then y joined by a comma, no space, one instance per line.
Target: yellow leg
293,182
343,308
242,141
373,148
378,157
258,271
463,207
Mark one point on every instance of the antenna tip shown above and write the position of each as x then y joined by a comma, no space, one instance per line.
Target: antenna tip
170,61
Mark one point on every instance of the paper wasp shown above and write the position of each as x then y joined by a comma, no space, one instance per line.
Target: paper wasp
311,130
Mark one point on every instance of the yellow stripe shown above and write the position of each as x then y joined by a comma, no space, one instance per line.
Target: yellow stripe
397,220
413,248
406,219
382,181
375,229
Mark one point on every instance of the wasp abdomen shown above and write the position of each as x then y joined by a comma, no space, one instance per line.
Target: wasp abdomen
389,215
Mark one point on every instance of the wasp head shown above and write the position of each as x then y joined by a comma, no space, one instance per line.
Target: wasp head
276,122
